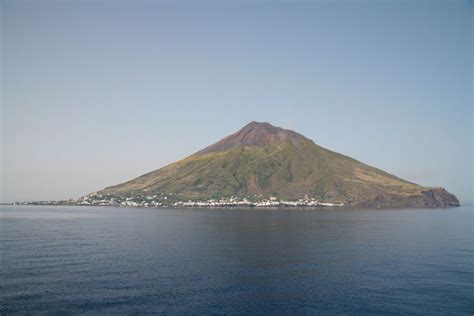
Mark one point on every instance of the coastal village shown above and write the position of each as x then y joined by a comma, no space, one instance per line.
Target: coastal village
172,201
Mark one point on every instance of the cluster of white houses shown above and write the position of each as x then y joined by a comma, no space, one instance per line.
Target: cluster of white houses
163,201
155,201
271,202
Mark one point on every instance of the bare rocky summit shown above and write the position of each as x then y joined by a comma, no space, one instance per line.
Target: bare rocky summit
258,135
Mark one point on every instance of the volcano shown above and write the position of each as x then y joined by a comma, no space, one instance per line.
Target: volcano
261,160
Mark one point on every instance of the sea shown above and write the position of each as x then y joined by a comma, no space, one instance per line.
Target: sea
107,260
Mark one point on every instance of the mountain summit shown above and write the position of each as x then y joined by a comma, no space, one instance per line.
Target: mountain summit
255,134
261,160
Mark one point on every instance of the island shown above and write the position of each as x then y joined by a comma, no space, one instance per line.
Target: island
262,165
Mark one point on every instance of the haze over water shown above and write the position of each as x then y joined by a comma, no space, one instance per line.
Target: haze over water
88,259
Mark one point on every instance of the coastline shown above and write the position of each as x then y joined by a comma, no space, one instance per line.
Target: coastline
172,207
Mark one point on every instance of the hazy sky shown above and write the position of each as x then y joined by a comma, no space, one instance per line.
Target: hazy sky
97,92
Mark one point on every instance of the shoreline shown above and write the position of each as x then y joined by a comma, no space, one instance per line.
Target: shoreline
172,207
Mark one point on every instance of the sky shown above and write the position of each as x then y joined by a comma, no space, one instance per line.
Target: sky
94,93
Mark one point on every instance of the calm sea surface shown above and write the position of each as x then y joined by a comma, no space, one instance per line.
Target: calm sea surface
118,260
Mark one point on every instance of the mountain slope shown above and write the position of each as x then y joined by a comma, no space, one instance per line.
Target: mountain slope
261,159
